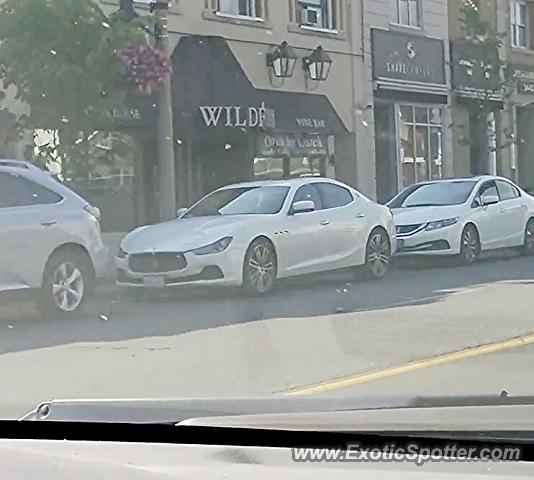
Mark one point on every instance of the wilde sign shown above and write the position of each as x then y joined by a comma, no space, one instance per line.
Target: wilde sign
237,116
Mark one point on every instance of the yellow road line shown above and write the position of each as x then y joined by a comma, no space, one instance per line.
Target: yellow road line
471,352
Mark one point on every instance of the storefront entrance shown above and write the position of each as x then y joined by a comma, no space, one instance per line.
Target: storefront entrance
525,147
409,145
228,131
410,93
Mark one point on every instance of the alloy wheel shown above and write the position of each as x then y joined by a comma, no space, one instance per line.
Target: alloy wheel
529,237
378,254
261,268
68,287
470,245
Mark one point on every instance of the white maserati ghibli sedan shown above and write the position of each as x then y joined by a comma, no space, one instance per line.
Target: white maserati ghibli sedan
250,234
463,217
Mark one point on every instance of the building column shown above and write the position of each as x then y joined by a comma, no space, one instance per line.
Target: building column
461,153
505,134
449,157
365,152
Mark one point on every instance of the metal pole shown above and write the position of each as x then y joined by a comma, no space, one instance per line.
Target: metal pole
165,134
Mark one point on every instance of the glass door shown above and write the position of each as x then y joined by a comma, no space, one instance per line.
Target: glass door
420,135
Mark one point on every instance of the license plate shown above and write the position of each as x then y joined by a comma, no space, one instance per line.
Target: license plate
154,282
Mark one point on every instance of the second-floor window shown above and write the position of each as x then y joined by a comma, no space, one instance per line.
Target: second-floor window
408,13
317,13
519,24
244,8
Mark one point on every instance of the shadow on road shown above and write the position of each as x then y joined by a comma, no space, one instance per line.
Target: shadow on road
116,317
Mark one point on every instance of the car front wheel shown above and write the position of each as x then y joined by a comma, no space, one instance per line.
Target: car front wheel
469,246
528,246
67,282
378,254
259,269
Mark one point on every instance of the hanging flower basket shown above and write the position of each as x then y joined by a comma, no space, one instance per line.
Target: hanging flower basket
146,66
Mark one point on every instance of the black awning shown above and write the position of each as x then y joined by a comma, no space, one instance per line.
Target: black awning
211,91
302,112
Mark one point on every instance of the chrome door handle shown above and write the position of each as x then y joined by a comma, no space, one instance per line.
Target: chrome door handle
325,222
360,215
48,224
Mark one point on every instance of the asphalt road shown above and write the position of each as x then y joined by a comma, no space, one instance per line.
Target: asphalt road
308,332
488,374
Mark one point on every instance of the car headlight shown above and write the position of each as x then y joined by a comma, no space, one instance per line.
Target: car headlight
121,253
441,223
216,247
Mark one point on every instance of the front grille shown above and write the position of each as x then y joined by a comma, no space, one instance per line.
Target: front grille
407,229
157,262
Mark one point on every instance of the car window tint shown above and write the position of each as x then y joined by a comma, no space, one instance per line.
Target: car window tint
333,196
309,192
488,189
506,190
17,191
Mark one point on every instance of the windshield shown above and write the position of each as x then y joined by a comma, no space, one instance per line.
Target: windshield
241,201
434,195
265,198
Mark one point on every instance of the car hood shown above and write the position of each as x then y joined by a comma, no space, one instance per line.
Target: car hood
414,215
182,234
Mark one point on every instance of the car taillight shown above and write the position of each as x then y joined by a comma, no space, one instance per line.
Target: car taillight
93,211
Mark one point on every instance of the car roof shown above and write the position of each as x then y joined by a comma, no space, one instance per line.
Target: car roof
9,164
282,183
474,178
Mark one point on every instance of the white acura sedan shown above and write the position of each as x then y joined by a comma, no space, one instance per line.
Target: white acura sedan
463,217
250,234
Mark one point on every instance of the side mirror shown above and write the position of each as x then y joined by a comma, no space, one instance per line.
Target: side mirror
181,212
305,206
490,199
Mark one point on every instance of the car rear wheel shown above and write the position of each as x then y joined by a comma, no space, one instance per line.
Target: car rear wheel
66,285
528,246
470,245
378,254
260,266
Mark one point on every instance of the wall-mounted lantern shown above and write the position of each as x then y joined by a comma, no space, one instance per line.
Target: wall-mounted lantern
282,61
317,65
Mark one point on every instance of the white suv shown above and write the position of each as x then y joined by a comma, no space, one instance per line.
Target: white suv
50,239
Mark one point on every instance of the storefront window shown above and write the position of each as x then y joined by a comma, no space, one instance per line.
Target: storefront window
266,168
421,140
304,166
277,168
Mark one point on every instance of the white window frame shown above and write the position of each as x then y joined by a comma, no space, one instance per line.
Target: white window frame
517,23
328,21
251,14
413,123
412,22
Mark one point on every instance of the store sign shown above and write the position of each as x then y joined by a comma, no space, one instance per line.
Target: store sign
410,58
237,116
525,87
471,72
137,113
303,145
311,122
